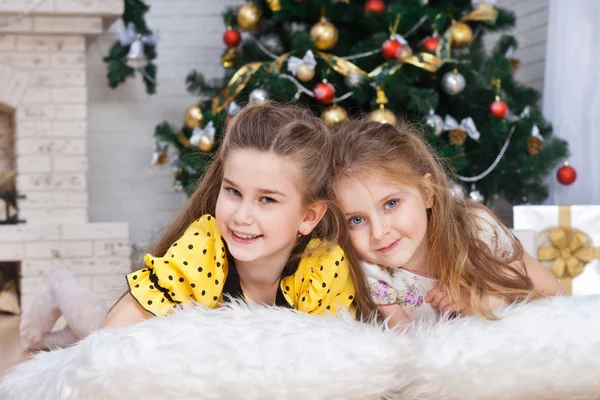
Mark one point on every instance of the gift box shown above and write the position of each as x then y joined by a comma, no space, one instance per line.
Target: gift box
567,242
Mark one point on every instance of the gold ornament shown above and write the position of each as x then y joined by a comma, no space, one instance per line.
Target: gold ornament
534,145
229,58
248,17
461,34
383,116
305,73
194,117
457,137
274,5
334,115
205,143
324,34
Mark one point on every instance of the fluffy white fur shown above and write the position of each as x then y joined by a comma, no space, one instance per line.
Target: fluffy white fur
543,350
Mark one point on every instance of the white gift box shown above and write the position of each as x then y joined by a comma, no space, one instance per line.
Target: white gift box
528,239
545,219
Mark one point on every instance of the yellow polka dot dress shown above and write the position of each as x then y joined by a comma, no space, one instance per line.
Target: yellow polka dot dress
195,268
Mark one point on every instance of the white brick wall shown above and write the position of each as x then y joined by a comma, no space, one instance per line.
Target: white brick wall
122,183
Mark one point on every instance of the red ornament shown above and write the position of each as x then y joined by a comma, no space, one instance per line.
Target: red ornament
324,92
431,44
232,38
499,108
375,6
391,49
566,174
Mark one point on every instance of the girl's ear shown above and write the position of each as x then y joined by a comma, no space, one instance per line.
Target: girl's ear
313,215
428,178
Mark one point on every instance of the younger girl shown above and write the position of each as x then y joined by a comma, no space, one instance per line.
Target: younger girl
260,226
424,251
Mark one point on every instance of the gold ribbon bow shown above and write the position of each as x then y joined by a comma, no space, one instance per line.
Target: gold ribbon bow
570,253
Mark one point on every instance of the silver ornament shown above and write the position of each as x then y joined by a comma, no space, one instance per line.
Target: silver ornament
272,43
258,96
178,185
453,83
476,195
354,79
435,122
457,190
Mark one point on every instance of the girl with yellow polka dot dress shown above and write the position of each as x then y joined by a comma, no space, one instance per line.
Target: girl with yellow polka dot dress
260,226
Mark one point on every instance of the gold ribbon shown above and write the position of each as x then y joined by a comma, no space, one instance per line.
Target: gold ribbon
340,65
236,84
483,12
570,252
183,140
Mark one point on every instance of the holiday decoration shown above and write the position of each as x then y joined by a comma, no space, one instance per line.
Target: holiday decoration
535,142
194,117
136,57
324,92
274,5
258,96
303,69
457,190
566,174
461,35
568,243
204,138
354,79
435,122
374,6
475,195
248,17
458,133
391,49
453,82
431,44
334,115
228,59
324,34
383,115
232,38
499,108
159,157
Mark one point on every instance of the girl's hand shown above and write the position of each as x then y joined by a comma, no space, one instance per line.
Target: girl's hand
396,314
440,300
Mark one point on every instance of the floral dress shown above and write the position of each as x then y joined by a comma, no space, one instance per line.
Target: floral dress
409,288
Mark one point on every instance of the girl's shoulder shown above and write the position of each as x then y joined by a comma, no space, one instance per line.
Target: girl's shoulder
493,233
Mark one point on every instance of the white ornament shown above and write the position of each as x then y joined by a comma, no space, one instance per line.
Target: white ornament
208,131
354,79
457,191
467,125
295,62
136,57
233,108
258,96
453,83
475,195
435,122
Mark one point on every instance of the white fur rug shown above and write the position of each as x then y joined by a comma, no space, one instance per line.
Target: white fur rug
543,350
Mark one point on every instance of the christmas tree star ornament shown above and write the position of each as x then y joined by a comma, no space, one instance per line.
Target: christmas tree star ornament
535,142
136,56
204,138
458,133
159,157
304,68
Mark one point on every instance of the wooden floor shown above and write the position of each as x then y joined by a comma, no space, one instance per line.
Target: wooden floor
11,350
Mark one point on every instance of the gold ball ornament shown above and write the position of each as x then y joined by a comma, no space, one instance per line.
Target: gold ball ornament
205,143
461,35
457,137
194,117
305,73
334,115
248,17
324,34
383,116
534,145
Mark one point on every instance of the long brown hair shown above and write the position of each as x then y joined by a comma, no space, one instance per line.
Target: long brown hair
287,131
462,262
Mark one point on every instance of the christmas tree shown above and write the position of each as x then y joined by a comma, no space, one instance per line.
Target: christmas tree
425,61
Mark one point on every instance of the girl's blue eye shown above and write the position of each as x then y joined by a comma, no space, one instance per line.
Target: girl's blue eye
391,204
267,200
355,220
233,192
